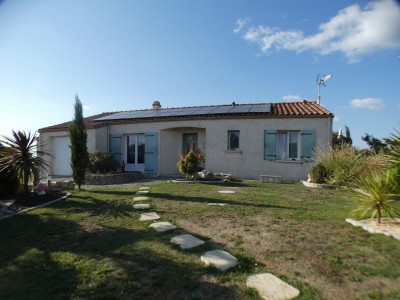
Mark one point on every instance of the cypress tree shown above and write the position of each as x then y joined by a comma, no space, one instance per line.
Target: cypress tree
79,152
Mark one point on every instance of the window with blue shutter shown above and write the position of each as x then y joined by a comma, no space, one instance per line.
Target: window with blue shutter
307,144
270,144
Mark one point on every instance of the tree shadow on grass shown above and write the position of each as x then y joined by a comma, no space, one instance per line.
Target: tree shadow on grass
49,256
95,207
116,192
218,200
215,183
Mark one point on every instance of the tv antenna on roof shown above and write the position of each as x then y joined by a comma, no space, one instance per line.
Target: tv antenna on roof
321,79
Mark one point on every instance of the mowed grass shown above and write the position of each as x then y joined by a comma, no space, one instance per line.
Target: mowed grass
93,246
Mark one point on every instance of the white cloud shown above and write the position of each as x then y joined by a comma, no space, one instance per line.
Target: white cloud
291,98
369,103
85,107
337,118
354,31
240,23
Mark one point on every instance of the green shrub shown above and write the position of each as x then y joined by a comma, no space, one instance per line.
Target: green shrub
101,162
319,174
343,164
190,163
9,183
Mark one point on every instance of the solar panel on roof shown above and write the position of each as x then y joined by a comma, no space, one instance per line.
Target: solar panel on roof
189,111
263,108
222,110
164,112
240,109
185,112
205,110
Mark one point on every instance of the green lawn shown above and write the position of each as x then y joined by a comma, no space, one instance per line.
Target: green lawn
93,246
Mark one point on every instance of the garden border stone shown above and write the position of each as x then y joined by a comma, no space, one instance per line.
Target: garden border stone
38,206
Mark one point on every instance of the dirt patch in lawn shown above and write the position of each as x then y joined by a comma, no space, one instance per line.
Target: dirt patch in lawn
304,252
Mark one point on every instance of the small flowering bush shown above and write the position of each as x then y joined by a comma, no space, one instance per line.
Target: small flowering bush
40,187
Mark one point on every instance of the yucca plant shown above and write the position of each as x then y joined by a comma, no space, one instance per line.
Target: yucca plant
375,195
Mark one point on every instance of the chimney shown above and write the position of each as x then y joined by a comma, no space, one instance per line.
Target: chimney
156,105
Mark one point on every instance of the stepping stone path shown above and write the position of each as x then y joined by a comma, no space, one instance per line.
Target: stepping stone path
141,206
162,226
271,287
149,216
221,259
140,198
187,241
142,192
226,192
267,285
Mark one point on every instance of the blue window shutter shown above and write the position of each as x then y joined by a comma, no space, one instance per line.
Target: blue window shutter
270,144
307,144
115,146
151,153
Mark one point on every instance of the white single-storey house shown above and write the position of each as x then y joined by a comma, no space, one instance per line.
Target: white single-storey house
245,140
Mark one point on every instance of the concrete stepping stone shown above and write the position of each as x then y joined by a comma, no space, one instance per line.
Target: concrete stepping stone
217,204
141,206
149,216
226,192
187,241
140,198
271,287
162,226
142,192
221,259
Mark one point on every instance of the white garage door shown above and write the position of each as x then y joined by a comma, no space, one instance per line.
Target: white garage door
62,156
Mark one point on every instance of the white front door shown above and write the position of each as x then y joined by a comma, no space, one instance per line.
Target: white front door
62,156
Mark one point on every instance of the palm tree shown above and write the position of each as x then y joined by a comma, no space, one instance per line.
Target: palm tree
376,194
20,156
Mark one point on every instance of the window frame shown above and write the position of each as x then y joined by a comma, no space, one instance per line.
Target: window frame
284,155
229,148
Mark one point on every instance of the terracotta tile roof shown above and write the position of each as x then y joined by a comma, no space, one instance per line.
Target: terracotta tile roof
304,109
88,123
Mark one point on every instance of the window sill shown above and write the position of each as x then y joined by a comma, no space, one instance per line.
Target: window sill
233,151
289,161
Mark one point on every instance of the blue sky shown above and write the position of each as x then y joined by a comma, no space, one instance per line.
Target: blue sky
123,55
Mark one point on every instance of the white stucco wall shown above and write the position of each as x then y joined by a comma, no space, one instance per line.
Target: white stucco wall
213,137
